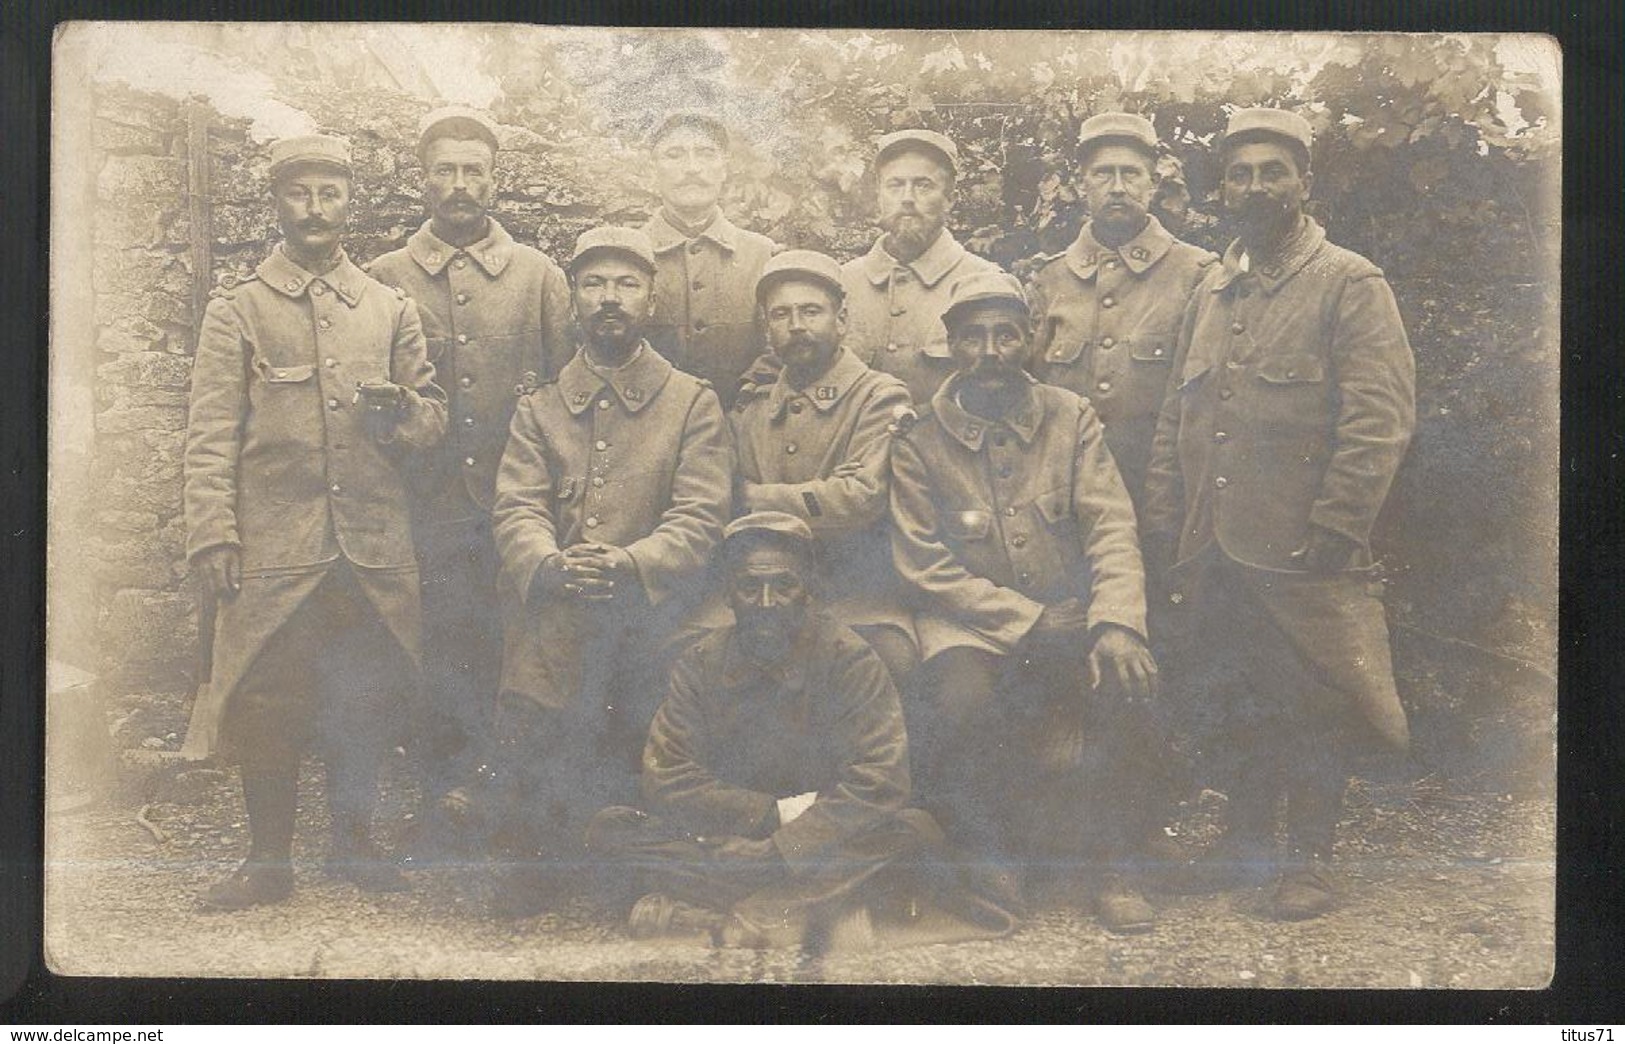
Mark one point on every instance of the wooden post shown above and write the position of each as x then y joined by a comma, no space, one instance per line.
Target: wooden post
199,206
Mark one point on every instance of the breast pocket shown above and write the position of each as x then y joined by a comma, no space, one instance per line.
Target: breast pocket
1290,395
281,376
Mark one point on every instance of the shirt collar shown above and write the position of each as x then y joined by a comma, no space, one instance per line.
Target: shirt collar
1271,277
282,274
636,384
1139,253
1023,420
666,237
825,392
433,254
938,260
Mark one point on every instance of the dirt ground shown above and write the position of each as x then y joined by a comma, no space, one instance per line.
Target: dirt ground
1442,888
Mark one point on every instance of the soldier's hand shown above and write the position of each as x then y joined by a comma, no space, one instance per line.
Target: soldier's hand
847,469
381,403
598,571
221,569
1325,551
1121,662
1068,619
551,580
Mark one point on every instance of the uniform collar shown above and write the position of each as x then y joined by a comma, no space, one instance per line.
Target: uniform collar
739,670
636,384
433,254
1299,250
1023,420
280,273
666,237
938,260
825,392
1139,253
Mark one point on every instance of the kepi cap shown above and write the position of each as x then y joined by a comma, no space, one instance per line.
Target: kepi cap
1000,288
807,264
1127,126
448,121
628,241
778,527
1277,123
918,137
688,118
318,149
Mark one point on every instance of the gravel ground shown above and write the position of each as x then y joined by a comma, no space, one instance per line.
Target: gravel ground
1442,888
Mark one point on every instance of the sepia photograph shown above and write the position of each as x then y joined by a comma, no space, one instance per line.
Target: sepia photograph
858,506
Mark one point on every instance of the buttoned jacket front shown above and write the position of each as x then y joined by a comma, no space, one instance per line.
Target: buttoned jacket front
638,457
279,461
732,738
705,317
1105,322
498,321
1293,405
995,519
894,310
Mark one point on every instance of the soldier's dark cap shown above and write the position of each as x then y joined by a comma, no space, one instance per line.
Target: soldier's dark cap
314,150
615,239
1112,128
1000,289
917,139
708,125
456,121
801,264
1256,123
775,528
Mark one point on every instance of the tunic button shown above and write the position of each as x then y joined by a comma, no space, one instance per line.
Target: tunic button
317,289
460,263
332,404
292,285
324,322
795,407
1221,482
468,462
891,347
1157,352
462,298
695,247
1108,301
1107,342
1104,386
466,381
1018,540
462,338
600,445
282,373
1237,327
1220,436
603,404
598,480
1177,598
1024,578
790,447
334,487
1010,512
699,324
1225,393
592,521
468,422
1291,374
330,362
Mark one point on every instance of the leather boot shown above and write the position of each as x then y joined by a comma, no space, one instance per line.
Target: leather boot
266,876
1120,906
356,857
1307,889
657,915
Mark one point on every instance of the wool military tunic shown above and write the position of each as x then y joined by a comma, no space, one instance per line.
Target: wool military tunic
705,317
638,458
280,464
1105,322
498,319
1293,404
789,444
894,310
995,519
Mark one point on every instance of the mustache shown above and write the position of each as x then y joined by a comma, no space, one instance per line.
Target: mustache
609,311
315,225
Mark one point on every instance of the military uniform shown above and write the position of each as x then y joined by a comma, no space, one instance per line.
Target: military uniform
1105,321
705,299
894,310
497,317
790,443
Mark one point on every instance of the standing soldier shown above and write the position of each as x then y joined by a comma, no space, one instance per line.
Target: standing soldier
497,316
814,442
612,494
705,307
1107,309
310,393
1011,522
1291,409
897,292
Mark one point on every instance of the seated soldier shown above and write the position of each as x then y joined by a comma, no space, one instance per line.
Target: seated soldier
812,441
1011,521
776,775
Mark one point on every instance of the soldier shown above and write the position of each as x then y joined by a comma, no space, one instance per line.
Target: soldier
310,393
896,293
813,443
1291,409
612,493
776,774
497,317
1012,523
1107,309
705,318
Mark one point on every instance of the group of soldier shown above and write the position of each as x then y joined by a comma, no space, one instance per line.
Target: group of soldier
792,595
